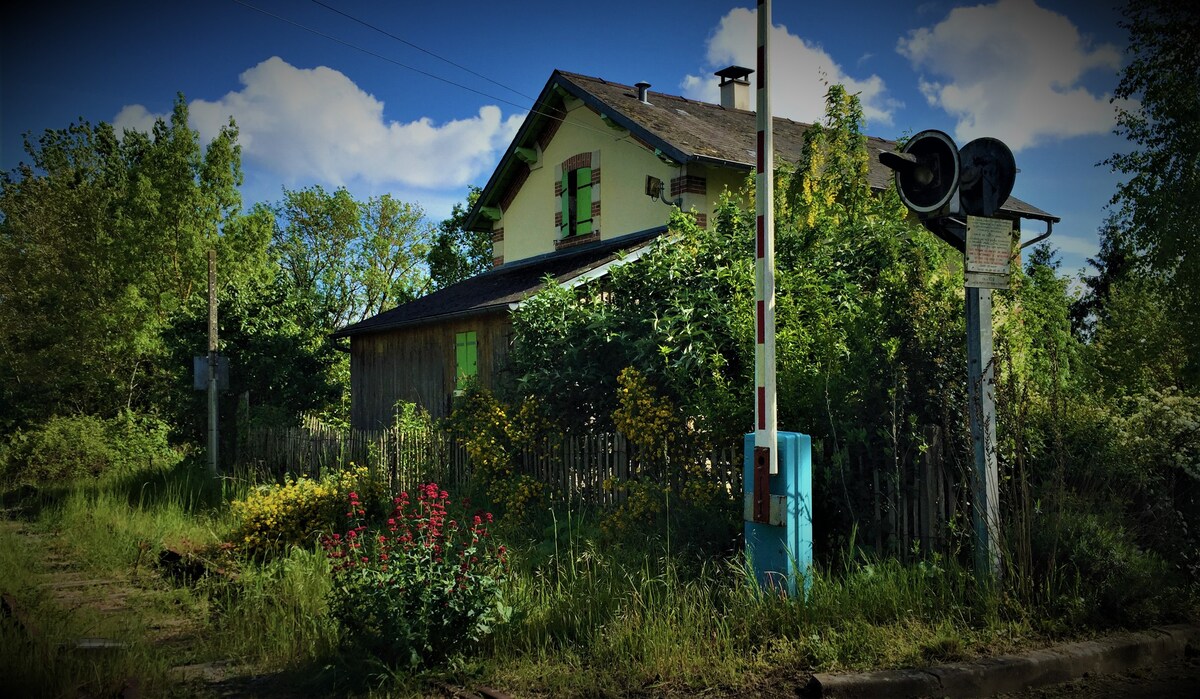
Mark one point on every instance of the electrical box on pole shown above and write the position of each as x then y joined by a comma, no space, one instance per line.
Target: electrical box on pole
957,194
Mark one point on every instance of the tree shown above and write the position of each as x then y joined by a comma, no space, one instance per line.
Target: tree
1116,262
103,241
278,360
1159,205
349,259
869,326
343,260
458,253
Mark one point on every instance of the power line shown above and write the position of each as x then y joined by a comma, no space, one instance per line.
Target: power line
369,52
421,49
347,44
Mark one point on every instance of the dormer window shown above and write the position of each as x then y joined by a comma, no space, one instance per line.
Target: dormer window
577,202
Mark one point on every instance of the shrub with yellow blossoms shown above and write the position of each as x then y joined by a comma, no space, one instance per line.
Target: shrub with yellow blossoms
298,511
645,418
674,478
494,435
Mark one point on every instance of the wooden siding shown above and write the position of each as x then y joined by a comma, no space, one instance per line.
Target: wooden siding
417,364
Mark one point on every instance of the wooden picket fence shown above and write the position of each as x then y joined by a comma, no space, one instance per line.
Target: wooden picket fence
587,469
905,511
407,456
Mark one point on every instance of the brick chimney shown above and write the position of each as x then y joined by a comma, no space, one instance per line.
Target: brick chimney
735,87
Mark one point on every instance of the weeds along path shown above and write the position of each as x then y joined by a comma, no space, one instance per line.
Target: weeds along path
72,628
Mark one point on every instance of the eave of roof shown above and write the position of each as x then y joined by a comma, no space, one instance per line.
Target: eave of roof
725,137
496,290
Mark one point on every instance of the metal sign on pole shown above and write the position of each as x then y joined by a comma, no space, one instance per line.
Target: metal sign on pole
213,435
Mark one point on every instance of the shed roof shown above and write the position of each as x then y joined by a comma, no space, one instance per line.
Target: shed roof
495,290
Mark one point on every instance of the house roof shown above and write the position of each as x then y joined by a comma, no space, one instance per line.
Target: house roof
681,129
496,289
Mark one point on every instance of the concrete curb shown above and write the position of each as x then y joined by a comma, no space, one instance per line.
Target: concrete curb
1014,673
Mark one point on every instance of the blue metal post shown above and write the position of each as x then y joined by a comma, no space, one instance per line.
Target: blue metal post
779,518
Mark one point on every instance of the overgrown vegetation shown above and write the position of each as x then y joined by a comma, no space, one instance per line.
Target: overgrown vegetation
342,587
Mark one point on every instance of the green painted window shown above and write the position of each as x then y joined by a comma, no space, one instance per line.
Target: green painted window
577,202
466,358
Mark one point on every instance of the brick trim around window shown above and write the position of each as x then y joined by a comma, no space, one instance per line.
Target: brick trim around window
576,240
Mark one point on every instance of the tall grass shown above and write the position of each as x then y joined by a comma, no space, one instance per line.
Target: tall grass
602,619
589,617
274,615
46,650
264,616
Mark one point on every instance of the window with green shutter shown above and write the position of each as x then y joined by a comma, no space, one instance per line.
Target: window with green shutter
466,358
577,202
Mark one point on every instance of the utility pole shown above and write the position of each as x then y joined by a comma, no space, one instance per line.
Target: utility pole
213,430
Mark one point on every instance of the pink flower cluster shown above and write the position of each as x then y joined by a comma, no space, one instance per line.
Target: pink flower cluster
418,531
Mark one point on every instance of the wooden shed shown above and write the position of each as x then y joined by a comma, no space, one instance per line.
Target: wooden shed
418,352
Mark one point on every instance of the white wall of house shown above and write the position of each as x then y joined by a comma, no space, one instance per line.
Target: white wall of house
528,223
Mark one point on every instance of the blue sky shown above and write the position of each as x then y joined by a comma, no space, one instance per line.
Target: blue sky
321,98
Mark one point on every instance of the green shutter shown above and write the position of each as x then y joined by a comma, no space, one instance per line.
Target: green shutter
583,203
466,358
566,204
472,364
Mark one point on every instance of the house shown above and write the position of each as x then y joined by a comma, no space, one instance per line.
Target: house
568,199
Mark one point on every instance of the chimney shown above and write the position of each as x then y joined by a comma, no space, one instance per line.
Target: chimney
643,89
735,87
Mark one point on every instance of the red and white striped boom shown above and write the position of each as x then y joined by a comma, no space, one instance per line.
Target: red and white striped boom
766,427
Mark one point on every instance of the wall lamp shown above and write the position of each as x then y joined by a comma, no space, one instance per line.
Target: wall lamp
654,190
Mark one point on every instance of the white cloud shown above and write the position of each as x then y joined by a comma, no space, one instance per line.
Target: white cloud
800,71
1079,246
1012,70
135,117
316,125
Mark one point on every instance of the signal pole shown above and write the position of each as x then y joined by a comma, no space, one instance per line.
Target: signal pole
213,436
981,395
943,185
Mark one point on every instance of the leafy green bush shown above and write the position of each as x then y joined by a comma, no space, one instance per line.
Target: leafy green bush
414,590
1107,578
139,441
1157,445
494,434
65,448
